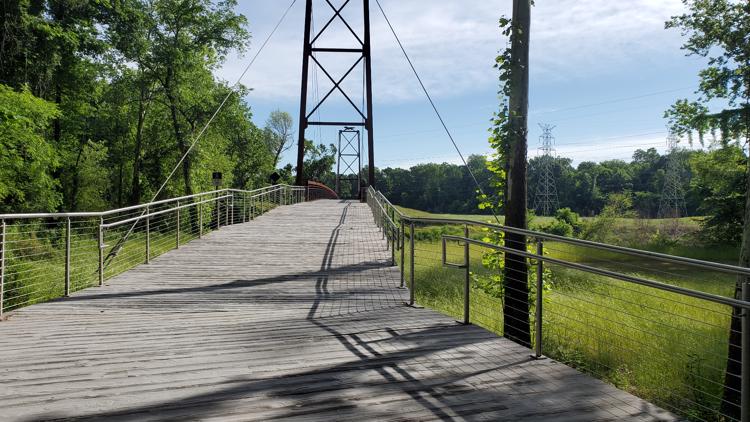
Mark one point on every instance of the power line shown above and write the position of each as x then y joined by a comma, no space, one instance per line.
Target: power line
115,249
611,138
613,101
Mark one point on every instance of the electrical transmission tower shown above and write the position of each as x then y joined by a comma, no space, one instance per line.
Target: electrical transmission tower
545,201
672,204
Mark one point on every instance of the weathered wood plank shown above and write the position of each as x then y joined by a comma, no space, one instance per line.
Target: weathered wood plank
296,315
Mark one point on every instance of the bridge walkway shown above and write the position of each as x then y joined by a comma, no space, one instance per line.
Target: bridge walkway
296,316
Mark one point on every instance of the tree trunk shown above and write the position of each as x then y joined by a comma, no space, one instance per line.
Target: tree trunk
135,191
516,304
76,178
179,137
56,124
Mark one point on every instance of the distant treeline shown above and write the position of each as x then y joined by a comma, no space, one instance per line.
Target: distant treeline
712,180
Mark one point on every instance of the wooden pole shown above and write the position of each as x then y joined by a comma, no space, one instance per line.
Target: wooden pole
516,308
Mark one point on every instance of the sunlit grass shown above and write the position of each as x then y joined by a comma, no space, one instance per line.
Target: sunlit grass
666,348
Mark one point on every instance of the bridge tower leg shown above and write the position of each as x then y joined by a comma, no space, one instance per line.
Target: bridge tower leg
312,52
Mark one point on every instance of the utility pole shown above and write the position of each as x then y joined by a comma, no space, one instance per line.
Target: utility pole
545,200
516,303
312,53
672,203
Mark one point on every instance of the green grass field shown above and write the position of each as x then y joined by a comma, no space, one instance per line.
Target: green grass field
663,347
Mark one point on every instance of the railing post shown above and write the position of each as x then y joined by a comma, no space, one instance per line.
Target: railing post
232,209
411,263
200,218
403,263
392,230
382,222
226,216
467,276
252,208
101,251
244,208
148,235
745,360
218,213
178,224
67,256
538,318
3,229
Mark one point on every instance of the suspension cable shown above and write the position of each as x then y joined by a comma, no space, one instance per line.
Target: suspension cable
434,107
115,249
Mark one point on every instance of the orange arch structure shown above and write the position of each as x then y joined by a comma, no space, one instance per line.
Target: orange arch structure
317,190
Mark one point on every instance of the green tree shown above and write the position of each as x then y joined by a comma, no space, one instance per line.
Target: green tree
27,160
717,29
319,161
719,177
279,134
191,38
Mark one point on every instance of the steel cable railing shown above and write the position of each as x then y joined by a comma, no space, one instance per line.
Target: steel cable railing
47,256
652,324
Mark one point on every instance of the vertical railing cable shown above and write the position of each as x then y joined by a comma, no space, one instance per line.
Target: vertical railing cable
101,251
402,239
148,235
67,257
3,231
467,277
177,236
538,318
745,359
411,264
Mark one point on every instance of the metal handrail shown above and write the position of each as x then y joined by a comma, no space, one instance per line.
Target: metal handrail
26,216
725,268
741,307
586,268
166,211
224,199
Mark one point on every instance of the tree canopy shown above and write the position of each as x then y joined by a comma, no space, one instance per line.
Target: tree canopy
100,99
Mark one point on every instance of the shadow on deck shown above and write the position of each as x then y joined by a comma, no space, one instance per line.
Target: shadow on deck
296,316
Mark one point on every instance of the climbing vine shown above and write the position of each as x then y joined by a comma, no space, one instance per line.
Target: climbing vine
491,282
497,162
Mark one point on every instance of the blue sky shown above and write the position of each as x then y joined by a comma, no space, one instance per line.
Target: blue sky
602,72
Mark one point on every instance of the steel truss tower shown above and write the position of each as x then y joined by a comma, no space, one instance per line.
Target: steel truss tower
545,201
672,203
312,53
350,159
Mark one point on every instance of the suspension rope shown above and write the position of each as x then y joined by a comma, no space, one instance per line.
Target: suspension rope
434,107
316,83
115,249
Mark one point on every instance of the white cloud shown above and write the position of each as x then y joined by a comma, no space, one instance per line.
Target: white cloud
453,43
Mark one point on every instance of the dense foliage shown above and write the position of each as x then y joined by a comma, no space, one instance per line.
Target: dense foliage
100,99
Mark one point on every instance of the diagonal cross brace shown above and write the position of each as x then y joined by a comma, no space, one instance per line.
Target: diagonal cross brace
336,85
337,14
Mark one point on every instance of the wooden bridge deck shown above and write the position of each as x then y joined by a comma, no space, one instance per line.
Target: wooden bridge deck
294,316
